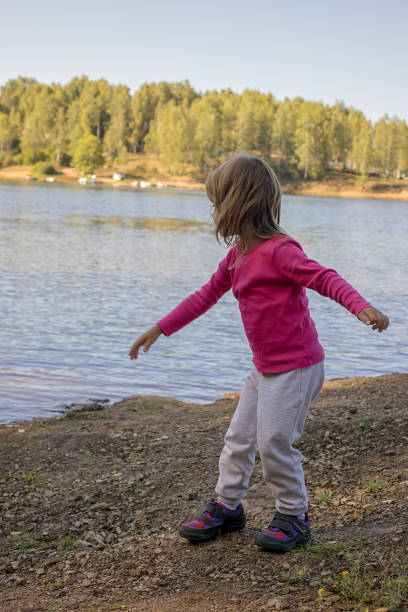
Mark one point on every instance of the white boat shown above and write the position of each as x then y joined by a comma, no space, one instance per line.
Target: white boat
144,184
83,180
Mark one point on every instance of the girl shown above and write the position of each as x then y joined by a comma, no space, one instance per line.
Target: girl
268,272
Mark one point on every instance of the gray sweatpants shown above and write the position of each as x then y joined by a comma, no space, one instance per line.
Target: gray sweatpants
270,417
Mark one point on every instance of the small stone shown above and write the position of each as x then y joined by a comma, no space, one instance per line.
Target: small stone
275,603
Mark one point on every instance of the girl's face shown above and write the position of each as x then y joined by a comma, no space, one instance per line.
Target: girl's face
214,213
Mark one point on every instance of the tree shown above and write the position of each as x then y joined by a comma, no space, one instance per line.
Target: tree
5,132
88,153
402,151
169,136
152,96
206,123
40,112
311,139
254,122
229,112
117,135
284,129
385,146
340,134
360,154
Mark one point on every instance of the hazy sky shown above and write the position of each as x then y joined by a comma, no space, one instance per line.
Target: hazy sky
350,50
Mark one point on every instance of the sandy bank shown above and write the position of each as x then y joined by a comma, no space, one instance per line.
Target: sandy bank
327,188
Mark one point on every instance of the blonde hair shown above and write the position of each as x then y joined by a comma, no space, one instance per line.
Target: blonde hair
245,191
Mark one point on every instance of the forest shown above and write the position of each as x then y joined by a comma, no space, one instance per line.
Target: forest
88,123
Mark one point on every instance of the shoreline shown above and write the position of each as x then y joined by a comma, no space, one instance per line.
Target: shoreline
98,404
92,500
319,189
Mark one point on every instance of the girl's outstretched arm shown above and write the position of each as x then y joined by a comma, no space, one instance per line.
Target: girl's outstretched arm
146,340
374,317
189,309
295,265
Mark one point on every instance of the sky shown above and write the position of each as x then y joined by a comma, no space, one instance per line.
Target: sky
354,51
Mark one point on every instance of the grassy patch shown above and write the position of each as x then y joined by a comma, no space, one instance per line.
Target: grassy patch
325,549
370,583
66,543
147,406
324,495
395,585
374,485
20,542
296,575
32,480
101,415
52,586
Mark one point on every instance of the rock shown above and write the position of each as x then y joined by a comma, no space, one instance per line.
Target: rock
275,603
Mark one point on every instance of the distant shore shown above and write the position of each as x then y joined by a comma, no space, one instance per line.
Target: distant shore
334,186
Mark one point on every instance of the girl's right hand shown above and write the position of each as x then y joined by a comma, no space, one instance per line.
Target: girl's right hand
146,340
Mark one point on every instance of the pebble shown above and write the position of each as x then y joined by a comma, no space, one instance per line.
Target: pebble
275,603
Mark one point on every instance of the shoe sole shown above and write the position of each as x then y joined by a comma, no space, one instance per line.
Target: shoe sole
268,543
195,536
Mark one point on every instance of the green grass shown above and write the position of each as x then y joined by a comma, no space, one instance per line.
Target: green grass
370,585
300,576
324,495
66,543
20,542
100,415
32,479
325,549
52,586
376,485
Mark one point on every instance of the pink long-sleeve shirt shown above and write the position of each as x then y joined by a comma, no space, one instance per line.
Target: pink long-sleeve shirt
269,283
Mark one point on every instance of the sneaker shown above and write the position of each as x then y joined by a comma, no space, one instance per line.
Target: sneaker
285,533
215,519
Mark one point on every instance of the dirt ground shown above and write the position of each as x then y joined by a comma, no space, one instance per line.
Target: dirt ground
91,502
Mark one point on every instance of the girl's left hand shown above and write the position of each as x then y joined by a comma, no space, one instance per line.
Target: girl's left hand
374,317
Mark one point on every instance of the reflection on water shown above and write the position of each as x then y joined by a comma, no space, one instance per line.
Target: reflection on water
85,271
132,223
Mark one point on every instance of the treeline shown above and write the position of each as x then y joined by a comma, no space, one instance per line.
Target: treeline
87,123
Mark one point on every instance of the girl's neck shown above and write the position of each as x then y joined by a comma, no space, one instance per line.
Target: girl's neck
249,239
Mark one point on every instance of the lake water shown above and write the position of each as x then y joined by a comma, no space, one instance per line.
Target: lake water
86,269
